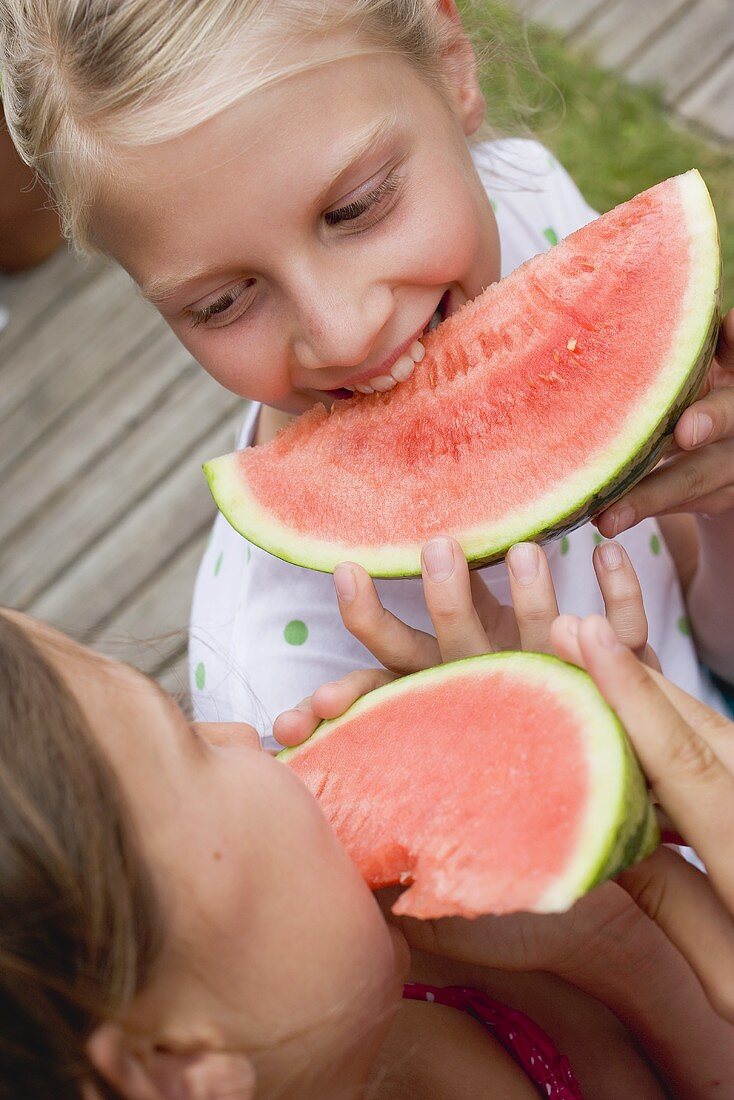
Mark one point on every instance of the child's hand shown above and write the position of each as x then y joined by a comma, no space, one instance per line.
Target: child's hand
699,474
467,618
292,727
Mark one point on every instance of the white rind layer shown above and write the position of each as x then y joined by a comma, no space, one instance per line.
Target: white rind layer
618,826
570,503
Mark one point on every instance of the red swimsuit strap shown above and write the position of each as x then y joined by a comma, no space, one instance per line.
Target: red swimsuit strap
533,1050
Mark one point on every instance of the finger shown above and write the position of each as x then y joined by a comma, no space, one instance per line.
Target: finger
707,420
714,728
564,639
332,699
622,595
395,645
687,777
498,620
677,486
448,594
678,897
533,595
296,725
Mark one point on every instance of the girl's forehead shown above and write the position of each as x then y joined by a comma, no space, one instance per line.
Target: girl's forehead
285,144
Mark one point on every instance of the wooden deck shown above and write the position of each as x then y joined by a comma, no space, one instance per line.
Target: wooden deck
685,47
105,419
104,423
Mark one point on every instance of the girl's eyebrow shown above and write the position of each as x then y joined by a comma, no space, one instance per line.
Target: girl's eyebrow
365,144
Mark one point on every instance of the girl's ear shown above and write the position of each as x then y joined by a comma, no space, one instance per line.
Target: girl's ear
459,65
141,1072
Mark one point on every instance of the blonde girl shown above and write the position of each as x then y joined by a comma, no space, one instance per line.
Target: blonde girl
299,188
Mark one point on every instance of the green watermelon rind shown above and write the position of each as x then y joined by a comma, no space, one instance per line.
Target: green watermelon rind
621,827
647,432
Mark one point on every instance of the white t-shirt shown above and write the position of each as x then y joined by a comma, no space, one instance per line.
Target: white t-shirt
265,634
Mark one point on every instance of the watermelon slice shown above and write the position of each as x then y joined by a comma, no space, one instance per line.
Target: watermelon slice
535,406
489,785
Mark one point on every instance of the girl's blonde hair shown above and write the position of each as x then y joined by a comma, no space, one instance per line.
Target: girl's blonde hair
81,78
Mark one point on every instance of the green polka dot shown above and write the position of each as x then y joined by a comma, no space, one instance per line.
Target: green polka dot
684,626
597,538
655,544
218,564
295,632
200,676
565,544
550,235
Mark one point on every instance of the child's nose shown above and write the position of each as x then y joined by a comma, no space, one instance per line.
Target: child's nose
339,325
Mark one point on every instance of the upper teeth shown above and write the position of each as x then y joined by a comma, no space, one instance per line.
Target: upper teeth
401,369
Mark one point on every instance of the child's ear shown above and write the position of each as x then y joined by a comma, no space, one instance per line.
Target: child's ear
460,69
140,1071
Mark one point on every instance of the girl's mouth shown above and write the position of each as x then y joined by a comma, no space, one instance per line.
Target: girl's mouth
402,368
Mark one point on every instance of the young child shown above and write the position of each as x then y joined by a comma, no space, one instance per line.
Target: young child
293,187
178,922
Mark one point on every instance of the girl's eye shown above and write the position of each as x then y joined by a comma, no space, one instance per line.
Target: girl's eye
368,209
226,308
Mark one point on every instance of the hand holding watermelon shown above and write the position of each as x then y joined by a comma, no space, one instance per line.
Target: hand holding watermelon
699,474
687,752
467,618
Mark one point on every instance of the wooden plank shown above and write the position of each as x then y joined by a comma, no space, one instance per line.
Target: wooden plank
618,30
95,426
100,498
565,15
60,360
712,101
150,629
686,52
146,538
33,295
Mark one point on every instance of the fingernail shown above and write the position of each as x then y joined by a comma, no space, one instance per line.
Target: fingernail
345,583
622,519
438,558
610,554
524,562
703,426
606,636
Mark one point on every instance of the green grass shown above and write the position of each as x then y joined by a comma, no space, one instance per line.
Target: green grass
615,139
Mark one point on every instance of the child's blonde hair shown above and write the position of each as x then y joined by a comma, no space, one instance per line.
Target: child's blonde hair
84,77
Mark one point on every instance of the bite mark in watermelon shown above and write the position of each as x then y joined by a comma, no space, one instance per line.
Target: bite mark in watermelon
494,784
535,406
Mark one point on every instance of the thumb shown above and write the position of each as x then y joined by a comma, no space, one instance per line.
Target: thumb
688,778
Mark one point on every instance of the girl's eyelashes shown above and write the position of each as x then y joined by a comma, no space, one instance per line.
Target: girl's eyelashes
368,209
221,308
360,214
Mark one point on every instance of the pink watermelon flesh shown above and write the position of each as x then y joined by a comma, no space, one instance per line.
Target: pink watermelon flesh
477,788
537,379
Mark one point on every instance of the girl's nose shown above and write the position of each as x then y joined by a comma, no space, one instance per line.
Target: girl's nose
338,325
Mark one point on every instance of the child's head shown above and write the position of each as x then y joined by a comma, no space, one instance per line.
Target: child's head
171,899
290,183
